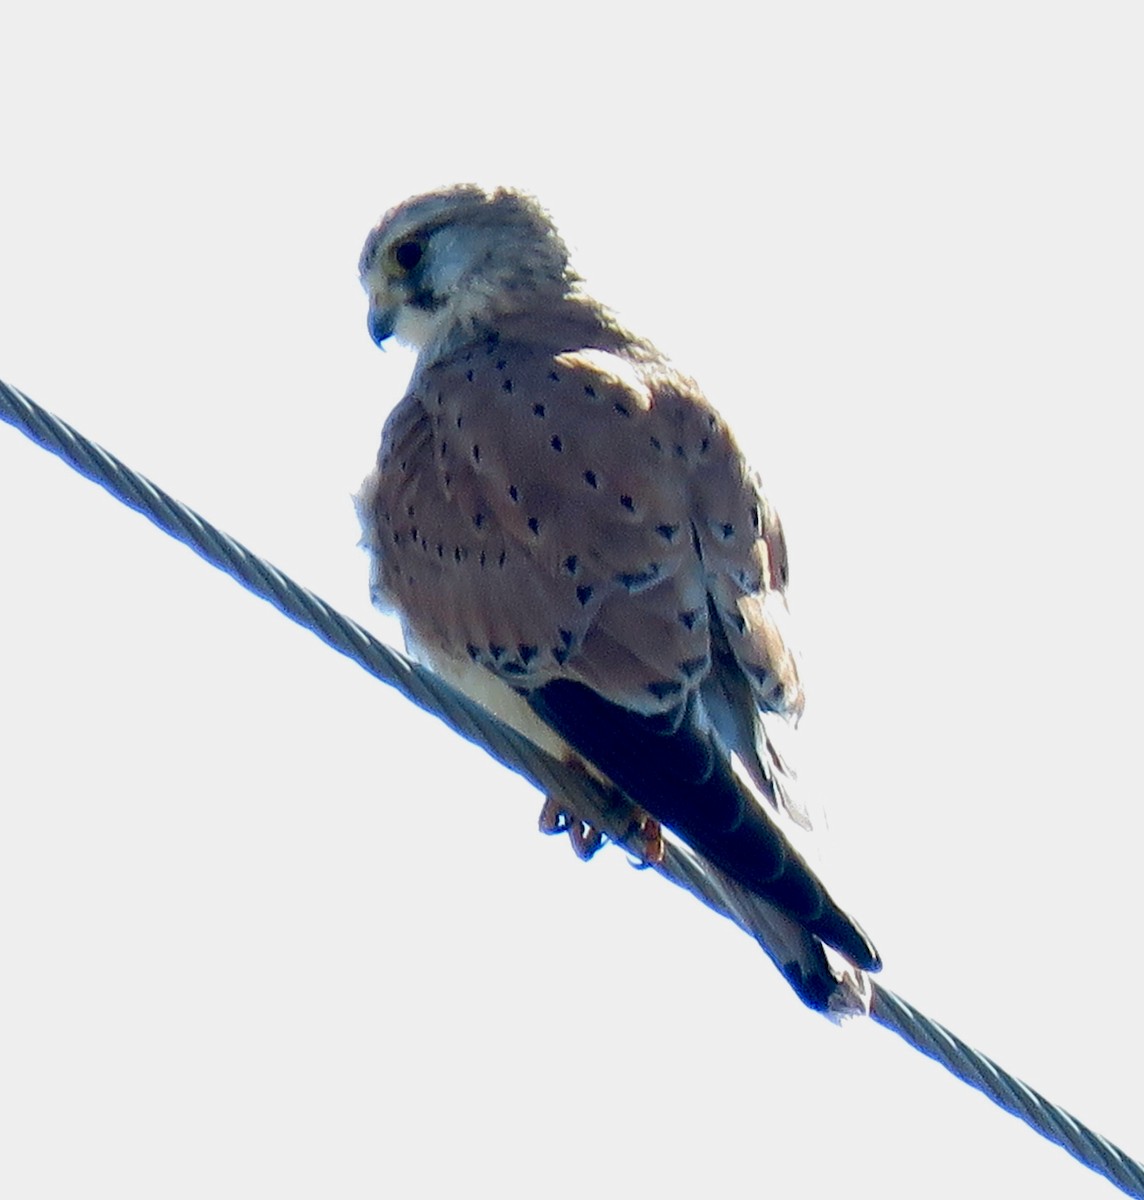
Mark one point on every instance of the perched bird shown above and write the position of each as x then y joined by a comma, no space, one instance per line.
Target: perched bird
569,533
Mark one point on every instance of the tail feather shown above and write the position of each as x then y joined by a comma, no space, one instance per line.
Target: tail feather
680,776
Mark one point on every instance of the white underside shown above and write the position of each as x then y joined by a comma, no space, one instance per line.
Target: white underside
481,685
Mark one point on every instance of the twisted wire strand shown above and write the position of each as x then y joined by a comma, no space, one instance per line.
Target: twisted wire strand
935,1041
608,812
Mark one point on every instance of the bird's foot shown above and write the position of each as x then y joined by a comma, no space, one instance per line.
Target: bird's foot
645,839
557,817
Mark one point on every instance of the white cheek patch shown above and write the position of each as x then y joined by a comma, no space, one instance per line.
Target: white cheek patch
415,327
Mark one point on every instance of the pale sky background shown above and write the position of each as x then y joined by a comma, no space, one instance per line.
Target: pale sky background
265,930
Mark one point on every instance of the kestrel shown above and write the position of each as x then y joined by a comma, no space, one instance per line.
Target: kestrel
569,533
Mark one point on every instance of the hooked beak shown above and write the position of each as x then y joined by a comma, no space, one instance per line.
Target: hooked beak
380,323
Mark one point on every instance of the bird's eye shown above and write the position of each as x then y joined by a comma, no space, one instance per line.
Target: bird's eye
407,254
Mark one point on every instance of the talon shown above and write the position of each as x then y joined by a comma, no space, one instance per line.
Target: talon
556,817
553,818
586,839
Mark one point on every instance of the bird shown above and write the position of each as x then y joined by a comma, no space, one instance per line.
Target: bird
569,533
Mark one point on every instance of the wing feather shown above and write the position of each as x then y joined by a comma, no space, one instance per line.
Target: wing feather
583,515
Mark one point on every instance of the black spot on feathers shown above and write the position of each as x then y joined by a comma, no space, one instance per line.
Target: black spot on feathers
636,581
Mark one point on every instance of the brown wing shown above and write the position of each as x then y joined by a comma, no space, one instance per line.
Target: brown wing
575,515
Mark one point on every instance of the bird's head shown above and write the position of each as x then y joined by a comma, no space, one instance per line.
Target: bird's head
443,265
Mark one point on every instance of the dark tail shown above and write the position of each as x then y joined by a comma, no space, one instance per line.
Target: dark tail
672,768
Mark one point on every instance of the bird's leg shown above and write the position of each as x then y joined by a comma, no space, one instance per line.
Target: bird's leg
643,837
558,816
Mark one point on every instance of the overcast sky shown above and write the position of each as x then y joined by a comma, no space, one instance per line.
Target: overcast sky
267,930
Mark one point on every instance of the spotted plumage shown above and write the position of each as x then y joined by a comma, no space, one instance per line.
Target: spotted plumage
568,530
